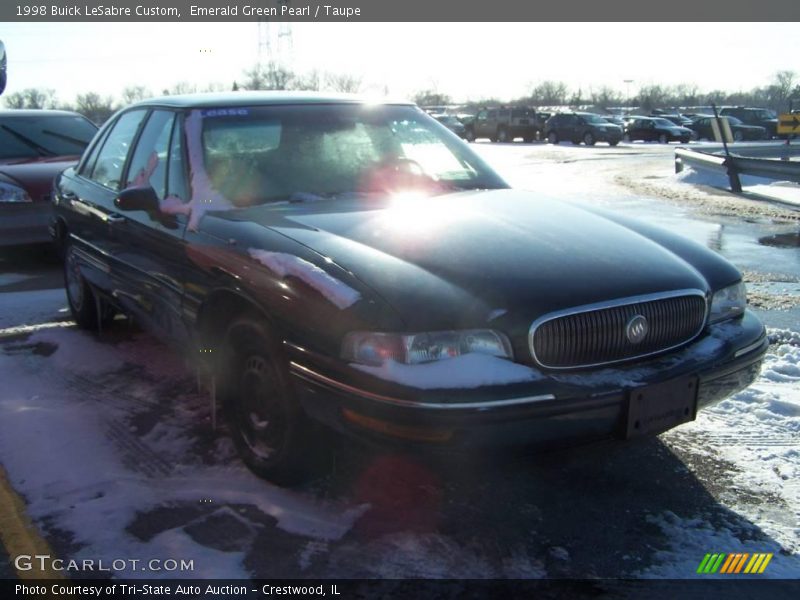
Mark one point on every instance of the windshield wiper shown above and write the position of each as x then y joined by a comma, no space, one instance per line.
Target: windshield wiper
67,138
28,141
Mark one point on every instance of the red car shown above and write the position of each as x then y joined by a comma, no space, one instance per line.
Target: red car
35,146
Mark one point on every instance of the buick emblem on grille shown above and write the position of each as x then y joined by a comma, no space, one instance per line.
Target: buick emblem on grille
636,329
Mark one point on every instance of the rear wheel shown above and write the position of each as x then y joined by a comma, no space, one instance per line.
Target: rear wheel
588,139
552,137
269,429
663,139
614,143
88,311
738,136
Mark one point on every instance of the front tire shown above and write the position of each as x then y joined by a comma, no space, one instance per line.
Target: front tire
663,139
552,138
268,427
588,139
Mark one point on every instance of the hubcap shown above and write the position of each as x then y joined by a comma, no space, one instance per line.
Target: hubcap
74,281
260,415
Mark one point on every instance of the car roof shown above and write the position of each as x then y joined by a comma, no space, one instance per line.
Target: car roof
217,99
36,112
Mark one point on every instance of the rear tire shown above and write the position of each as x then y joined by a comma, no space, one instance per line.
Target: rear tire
269,429
552,138
88,312
737,136
588,139
663,139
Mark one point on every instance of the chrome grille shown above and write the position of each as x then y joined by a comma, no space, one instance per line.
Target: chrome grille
596,334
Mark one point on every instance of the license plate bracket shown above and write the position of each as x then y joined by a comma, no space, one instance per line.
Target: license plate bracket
655,408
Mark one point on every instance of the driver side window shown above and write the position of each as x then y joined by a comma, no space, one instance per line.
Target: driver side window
107,170
149,163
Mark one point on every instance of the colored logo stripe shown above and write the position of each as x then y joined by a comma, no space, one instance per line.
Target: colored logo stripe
734,563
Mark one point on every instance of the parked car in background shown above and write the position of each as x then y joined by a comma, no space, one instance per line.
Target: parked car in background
655,129
333,261
761,117
703,128
580,127
35,145
614,120
505,124
452,123
676,118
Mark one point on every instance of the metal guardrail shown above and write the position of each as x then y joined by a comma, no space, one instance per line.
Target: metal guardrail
779,168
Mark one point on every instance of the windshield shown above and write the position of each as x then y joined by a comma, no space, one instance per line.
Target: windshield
35,136
594,119
664,122
765,114
261,154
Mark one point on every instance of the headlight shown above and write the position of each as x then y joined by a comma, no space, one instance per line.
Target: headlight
728,303
12,193
369,348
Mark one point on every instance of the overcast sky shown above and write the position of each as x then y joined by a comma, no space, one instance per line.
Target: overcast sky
475,60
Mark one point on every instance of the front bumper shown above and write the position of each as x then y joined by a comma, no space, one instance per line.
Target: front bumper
560,409
25,223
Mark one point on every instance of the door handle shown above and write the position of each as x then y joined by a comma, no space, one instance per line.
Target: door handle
112,219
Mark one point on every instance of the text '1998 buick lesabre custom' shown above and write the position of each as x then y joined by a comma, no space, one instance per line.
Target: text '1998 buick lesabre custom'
355,264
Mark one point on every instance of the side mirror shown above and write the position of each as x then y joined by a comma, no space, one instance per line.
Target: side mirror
137,198
3,62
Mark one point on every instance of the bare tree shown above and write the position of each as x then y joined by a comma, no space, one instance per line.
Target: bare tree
32,98
605,97
94,107
431,98
271,76
310,81
343,82
549,93
134,93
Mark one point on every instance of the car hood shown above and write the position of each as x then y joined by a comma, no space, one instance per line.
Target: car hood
35,175
464,257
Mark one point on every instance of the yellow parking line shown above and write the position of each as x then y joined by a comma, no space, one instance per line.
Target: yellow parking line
19,536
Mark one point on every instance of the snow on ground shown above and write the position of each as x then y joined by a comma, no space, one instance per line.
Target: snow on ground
86,473
784,191
757,434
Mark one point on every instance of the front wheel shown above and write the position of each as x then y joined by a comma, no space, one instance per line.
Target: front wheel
738,136
269,429
552,137
663,139
588,139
